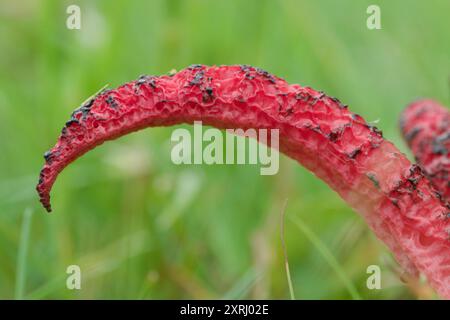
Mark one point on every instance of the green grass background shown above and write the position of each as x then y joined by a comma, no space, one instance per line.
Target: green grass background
141,227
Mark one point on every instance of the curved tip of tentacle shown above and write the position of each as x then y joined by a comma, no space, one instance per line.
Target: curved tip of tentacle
44,196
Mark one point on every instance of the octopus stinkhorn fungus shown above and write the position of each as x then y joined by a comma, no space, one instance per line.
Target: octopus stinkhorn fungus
318,131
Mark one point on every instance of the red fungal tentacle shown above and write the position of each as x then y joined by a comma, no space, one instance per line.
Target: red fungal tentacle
426,127
316,130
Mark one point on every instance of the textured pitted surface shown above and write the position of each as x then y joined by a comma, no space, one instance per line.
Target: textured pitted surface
426,128
316,130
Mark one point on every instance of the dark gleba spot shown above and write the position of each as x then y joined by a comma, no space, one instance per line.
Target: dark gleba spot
84,109
335,134
142,79
375,130
195,66
145,79
414,181
439,144
71,121
88,104
302,96
266,75
207,94
357,118
209,91
111,102
439,148
374,180
338,102
48,156
246,67
409,137
354,153
198,78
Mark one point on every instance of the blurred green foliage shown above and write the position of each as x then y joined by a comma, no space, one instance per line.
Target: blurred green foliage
142,227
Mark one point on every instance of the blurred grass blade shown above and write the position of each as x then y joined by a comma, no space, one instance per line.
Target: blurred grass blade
283,244
98,262
188,186
243,286
21,268
327,255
